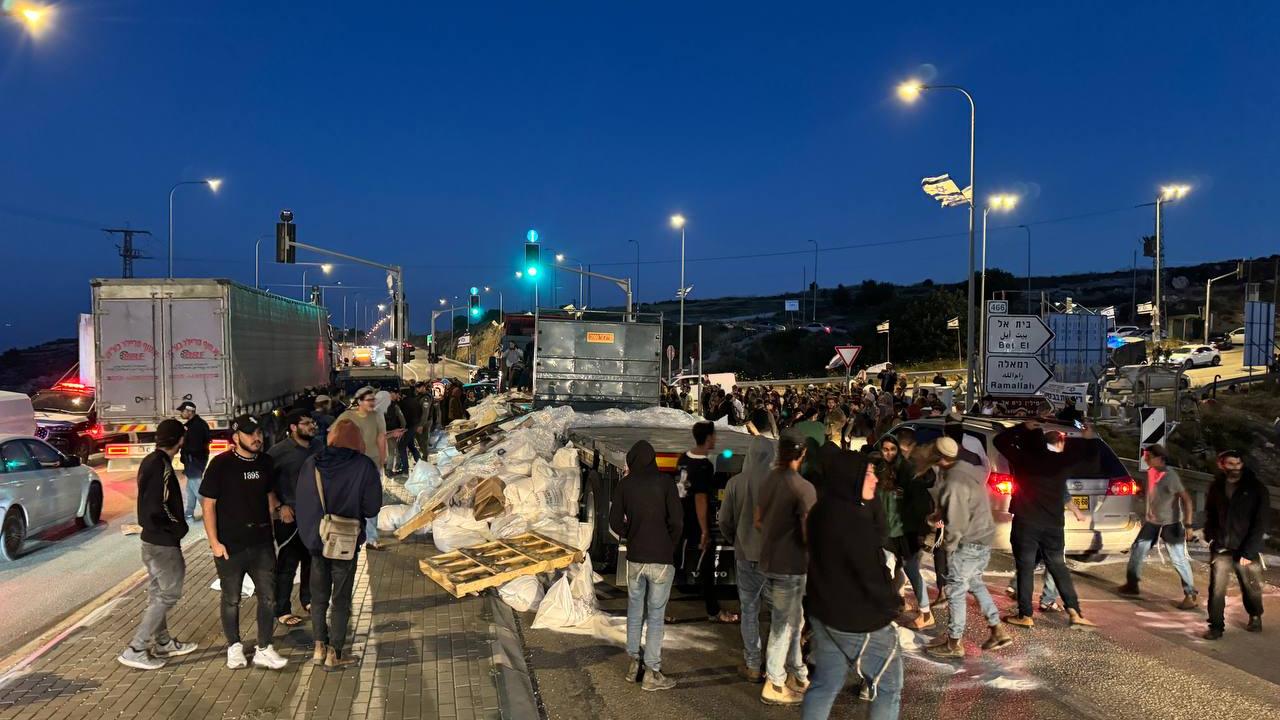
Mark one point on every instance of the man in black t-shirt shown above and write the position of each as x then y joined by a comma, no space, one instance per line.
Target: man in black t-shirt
697,478
238,499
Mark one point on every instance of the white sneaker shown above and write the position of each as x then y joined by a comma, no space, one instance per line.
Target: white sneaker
267,657
235,657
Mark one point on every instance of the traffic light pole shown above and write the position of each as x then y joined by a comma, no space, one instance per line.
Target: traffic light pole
431,351
624,284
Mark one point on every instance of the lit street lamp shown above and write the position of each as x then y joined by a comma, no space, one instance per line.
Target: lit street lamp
325,267
678,223
999,203
213,183
909,92
637,282
501,314
33,17
1167,193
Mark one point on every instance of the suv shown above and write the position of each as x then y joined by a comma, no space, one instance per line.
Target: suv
67,418
1109,498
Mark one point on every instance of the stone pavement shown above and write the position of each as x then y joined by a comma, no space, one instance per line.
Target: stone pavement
425,655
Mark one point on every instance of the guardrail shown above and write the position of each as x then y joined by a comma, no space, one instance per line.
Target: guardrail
1197,484
1210,390
835,379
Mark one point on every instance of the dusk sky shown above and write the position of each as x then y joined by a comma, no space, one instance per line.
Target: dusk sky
434,135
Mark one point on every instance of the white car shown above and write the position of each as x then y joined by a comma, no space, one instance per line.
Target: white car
40,488
1195,356
1237,337
816,327
1127,331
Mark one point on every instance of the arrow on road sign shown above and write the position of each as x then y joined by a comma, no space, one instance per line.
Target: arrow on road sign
848,353
1016,334
1015,375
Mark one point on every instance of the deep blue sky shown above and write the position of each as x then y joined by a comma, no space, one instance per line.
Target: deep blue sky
435,134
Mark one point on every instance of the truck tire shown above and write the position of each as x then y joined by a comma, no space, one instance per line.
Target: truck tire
12,533
92,507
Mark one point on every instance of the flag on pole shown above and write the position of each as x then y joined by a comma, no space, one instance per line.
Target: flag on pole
943,189
1109,311
883,327
954,323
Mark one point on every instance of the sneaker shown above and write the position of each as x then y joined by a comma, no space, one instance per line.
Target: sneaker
750,675
1213,634
267,657
318,653
1078,620
922,621
998,638
1020,620
945,647
1130,589
1050,607
797,685
654,681
779,695
175,648
1255,624
139,659
1189,602
235,657
633,671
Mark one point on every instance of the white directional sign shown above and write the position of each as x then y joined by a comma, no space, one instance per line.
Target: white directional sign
1015,375
791,305
1016,334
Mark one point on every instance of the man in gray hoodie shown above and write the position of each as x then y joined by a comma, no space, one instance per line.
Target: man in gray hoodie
736,518
968,530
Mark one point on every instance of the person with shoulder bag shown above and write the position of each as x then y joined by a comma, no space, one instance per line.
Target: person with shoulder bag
337,490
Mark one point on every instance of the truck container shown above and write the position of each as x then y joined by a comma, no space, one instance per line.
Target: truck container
595,360
228,348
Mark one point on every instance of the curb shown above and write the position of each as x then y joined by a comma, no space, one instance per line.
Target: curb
516,697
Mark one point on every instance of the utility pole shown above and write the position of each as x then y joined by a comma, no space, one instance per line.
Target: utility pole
127,252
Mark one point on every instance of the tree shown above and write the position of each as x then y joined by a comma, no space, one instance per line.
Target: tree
871,293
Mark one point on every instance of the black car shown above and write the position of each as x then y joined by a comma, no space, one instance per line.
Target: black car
1222,341
67,418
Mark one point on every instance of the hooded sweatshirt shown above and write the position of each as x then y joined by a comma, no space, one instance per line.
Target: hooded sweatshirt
352,489
737,510
966,510
849,588
646,512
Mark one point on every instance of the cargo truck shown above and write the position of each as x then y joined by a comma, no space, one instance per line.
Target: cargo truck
228,348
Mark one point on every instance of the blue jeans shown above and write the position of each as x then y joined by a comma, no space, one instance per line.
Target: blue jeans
966,566
648,588
751,583
1176,545
194,477
786,624
876,658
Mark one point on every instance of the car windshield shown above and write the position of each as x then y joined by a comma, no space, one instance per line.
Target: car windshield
62,402
1188,349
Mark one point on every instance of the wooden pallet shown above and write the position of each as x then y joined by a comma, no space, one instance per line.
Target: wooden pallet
470,570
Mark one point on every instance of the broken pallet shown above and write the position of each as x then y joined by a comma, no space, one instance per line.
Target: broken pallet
470,570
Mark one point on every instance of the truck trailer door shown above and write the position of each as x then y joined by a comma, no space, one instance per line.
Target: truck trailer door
197,353
128,384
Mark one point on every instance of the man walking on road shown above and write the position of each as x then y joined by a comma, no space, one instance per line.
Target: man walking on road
195,454
968,530
159,508
1235,520
647,515
737,521
373,431
1042,462
238,503
781,512
1164,496
698,483
287,457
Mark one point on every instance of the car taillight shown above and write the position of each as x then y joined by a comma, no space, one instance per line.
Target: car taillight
1123,486
95,431
217,446
117,451
1001,483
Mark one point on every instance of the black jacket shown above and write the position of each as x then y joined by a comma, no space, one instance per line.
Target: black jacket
287,457
1040,475
1236,525
849,587
646,511
352,489
160,501
195,444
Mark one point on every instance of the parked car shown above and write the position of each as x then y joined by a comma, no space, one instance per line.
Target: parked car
67,418
816,327
1222,341
40,488
1195,356
1237,336
1108,498
1127,331
1140,378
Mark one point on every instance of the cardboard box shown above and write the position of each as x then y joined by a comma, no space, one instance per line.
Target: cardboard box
489,500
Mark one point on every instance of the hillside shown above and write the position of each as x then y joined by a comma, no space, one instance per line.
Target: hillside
26,370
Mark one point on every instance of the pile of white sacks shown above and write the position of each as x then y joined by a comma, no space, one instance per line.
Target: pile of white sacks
542,486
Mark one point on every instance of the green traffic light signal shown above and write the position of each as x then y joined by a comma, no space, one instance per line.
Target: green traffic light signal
532,271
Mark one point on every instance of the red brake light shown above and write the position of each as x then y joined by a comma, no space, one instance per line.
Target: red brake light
1123,486
217,446
117,451
95,431
1001,483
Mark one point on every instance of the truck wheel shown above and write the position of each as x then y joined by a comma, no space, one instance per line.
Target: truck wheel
92,507
83,451
12,533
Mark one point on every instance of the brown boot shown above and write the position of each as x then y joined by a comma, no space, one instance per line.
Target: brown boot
1189,602
1078,620
1020,620
998,639
333,661
945,647
318,653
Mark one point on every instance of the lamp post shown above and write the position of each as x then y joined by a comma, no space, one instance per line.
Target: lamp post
213,183
1167,193
1028,229
257,254
637,280
1208,295
489,289
326,267
34,18
815,280
909,92
678,222
999,203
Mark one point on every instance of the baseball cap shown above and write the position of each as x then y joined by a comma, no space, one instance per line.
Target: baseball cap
321,399
366,390
246,423
947,448
186,404
169,432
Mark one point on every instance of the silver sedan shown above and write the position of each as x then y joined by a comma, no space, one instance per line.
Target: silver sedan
41,488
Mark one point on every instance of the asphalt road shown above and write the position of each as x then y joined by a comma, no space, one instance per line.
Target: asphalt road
1146,661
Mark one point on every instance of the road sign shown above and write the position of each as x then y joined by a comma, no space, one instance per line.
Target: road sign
1016,335
1145,308
1015,375
848,353
437,390
1151,431
1078,351
997,307
791,306
1259,333
671,353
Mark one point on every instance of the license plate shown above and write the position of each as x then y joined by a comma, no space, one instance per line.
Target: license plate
1081,501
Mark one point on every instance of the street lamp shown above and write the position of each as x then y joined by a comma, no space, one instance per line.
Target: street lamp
815,280
637,282
212,183
1168,193
909,92
1028,229
999,203
33,17
678,223
489,289
325,267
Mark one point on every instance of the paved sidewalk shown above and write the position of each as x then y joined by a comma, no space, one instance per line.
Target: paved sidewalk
425,654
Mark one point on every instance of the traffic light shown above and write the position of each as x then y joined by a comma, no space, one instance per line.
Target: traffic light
286,236
531,259
475,303
1149,246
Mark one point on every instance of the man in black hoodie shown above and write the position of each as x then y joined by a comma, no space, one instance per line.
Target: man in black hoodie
647,516
195,454
852,603
287,457
163,527
1235,518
